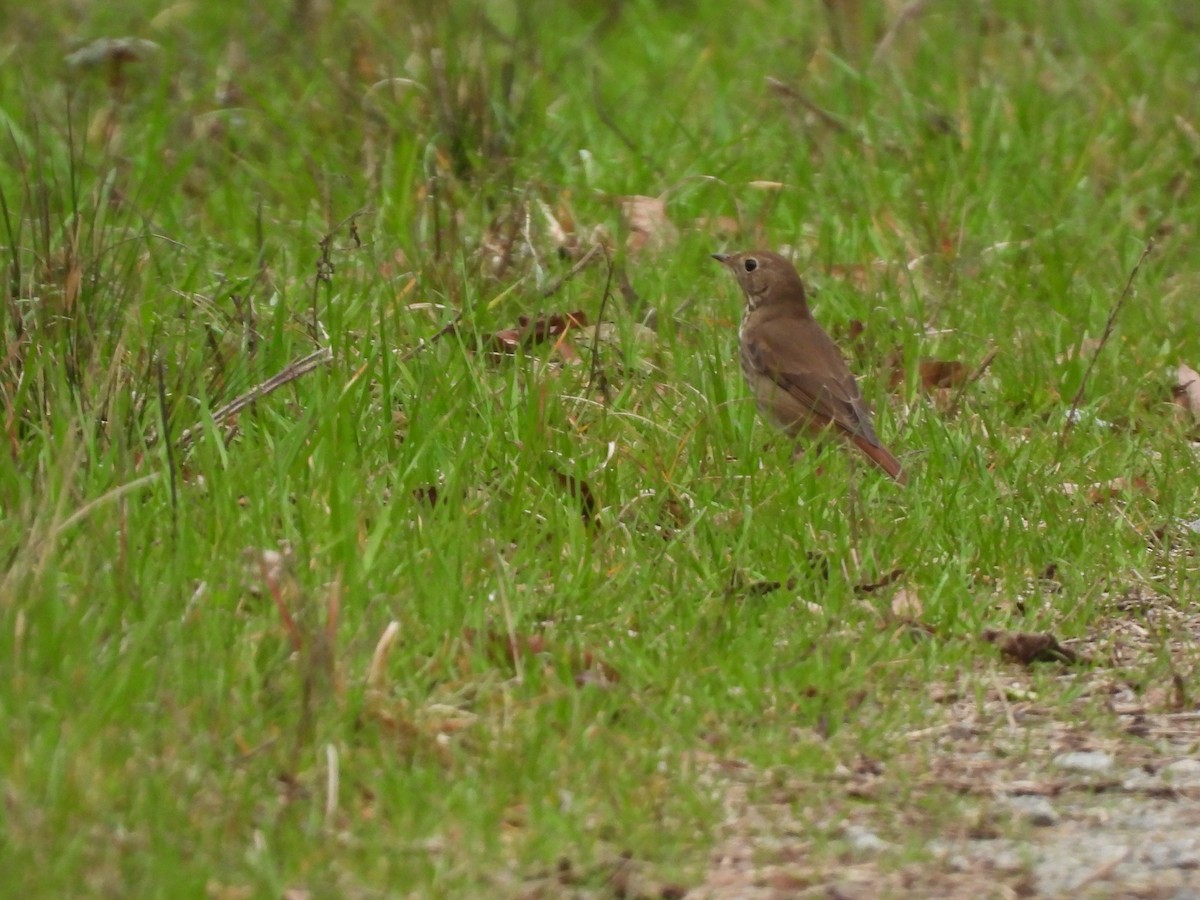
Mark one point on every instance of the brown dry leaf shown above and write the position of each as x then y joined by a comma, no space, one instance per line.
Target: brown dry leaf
1085,347
111,52
868,587
1187,392
560,224
1117,487
864,277
505,648
646,218
579,489
722,226
907,605
1026,648
383,647
530,332
942,373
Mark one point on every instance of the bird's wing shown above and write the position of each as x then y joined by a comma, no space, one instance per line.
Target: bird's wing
804,361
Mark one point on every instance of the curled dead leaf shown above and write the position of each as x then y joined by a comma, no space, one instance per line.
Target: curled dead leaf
112,52
531,332
379,658
1187,391
579,489
1027,648
1112,489
586,668
907,605
942,373
646,219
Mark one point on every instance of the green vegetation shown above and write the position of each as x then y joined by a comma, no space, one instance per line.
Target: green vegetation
579,552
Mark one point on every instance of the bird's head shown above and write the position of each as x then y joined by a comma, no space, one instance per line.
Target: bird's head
764,277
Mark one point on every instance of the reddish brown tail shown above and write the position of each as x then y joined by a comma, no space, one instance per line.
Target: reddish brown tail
881,458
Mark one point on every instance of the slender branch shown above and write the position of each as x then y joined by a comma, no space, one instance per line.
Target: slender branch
288,374
164,424
970,380
910,12
596,332
555,286
1104,338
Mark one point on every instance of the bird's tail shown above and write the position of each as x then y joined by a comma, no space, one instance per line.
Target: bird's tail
882,458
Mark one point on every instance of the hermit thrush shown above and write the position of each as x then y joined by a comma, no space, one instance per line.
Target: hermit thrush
793,368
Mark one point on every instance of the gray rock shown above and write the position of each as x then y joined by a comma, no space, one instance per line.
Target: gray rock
1036,811
1182,772
1094,762
864,840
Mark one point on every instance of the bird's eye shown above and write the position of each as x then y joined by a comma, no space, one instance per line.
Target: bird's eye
751,264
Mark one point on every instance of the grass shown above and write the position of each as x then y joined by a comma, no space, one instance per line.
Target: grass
180,228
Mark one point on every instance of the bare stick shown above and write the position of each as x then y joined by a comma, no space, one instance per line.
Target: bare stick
555,286
596,332
608,120
289,373
421,345
911,11
1104,338
971,379
166,430
794,93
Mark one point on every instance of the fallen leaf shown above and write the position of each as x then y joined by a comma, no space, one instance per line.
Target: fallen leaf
427,494
1084,347
906,605
560,224
113,52
1027,648
723,226
586,668
1187,392
579,489
942,373
383,648
868,587
1117,487
646,218
531,332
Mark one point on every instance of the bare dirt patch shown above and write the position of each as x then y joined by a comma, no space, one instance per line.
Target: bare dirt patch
1047,781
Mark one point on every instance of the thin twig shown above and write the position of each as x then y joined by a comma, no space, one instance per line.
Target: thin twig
596,332
608,120
449,328
288,374
971,379
911,11
108,497
166,432
794,93
555,286
1104,338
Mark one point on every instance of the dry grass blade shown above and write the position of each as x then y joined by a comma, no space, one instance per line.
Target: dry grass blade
980,369
555,286
290,373
906,15
1104,338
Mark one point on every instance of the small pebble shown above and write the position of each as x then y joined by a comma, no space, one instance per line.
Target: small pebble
1182,772
1092,761
864,840
1037,811
1140,780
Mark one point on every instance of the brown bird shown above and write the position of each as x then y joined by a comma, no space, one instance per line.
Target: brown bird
794,369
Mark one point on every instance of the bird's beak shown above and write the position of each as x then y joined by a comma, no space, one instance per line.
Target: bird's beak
722,258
